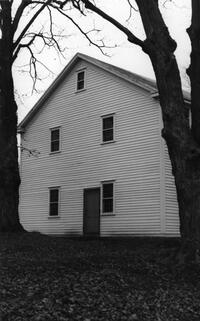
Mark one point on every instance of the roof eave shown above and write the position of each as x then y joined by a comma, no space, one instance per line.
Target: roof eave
47,93
146,84
57,81
156,96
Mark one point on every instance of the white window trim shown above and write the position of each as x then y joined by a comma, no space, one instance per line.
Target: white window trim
101,205
114,120
60,136
59,201
85,82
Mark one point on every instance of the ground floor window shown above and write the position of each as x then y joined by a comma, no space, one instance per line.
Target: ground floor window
107,197
54,195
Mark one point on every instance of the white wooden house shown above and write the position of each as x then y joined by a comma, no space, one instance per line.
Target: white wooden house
102,167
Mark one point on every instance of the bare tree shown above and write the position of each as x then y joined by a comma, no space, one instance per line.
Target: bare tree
16,37
183,140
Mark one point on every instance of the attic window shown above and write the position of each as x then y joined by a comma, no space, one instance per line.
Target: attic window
80,85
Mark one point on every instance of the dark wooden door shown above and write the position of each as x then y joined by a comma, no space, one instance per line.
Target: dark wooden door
91,215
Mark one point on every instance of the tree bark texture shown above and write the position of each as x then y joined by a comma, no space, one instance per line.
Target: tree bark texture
183,147
182,141
194,69
9,169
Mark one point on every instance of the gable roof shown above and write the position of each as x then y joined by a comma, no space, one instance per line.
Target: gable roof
142,82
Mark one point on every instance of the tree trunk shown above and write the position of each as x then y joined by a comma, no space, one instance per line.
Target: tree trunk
193,222
183,142
194,69
184,154
183,148
9,170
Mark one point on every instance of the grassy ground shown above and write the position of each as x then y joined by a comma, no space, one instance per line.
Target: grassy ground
43,279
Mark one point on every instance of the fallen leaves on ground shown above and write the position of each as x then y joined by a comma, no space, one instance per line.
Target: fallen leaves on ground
48,279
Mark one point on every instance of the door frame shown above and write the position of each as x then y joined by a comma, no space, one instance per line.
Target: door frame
85,190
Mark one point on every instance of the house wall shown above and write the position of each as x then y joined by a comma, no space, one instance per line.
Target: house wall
133,160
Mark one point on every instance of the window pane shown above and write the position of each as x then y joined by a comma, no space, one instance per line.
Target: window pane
107,135
108,206
81,75
53,209
55,134
80,80
80,85
55,140
54,146
108,122
108,190
53,195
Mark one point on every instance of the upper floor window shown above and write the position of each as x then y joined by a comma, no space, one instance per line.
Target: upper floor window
108,128
54,201
107,199
80,85
55,140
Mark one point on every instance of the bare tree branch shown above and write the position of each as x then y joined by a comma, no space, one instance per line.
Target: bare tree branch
53,36
17,42
20,46
33,61
130,10
131,37
75,3
85,33
31,152
22,6
132,6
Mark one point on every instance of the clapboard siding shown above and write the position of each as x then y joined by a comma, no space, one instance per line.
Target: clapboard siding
132,161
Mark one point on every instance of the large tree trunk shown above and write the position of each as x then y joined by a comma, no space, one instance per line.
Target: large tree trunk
9,170
183,148
184,154
182,141
194,69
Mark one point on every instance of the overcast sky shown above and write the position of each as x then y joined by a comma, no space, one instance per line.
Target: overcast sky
125,55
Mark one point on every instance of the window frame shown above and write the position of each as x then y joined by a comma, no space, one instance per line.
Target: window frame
51,130
84,80
113,198
58,202
113,128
